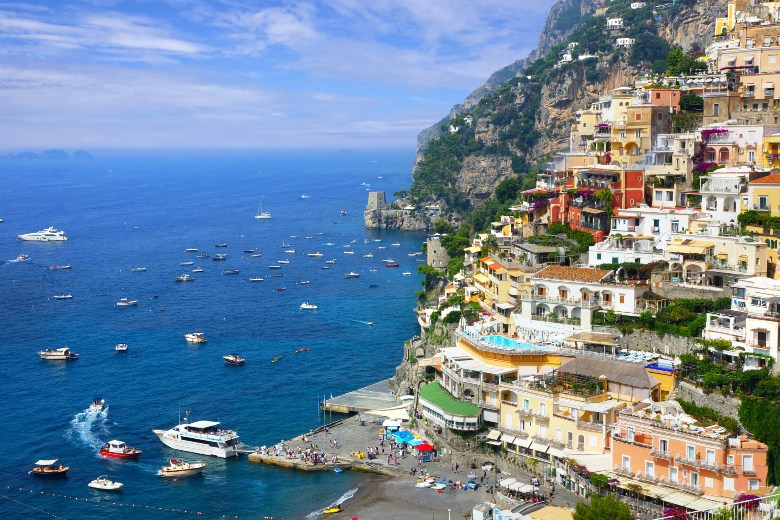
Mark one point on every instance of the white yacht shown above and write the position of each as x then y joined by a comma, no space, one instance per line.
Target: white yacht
195,337
306,306
260,213
203,437
46,235
59,354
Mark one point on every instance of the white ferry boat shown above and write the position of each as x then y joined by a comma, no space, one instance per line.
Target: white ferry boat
203,437
45,235
306,306
59,354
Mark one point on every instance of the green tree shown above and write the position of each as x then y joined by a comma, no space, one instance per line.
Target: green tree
603,508
690,102
442,226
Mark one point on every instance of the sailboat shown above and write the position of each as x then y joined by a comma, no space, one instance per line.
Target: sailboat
261,213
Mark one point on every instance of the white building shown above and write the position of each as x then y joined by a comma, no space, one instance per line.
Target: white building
624,42
638,5
617,249
721,192
659,224
614,23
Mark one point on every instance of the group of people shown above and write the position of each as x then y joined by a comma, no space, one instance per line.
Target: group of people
312,454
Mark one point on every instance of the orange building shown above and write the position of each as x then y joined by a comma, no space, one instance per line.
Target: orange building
659,444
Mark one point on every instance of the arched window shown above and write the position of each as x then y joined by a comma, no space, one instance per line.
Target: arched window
723,155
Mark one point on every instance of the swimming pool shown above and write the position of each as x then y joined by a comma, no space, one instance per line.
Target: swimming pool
512,344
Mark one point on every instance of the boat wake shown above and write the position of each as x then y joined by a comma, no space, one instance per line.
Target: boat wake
369,323
85,427
343,498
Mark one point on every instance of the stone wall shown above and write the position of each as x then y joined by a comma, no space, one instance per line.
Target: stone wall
436,254
649,341
727,406
675,290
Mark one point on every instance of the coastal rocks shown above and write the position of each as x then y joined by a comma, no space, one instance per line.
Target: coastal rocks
389,218
480,175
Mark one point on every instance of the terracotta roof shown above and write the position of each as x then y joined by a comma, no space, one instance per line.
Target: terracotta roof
616,371
576,274
769,179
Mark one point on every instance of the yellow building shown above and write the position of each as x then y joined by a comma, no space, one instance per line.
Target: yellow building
771,151
499,282
764,198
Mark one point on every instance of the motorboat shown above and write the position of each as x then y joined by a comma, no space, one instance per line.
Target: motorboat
306,306
406,273
221,244
293,236
249,251
186,263
179,468
304,196
329,244
45,235
60,354
282,261
277,275
121,347
184,278
332,261
204,437
57,267
310,238
22,258
317,254
234,359
256,255
368,255
119,450
103,483
276,358
198,270
274,266
62,296
281,289
191,250
391,264
137,269
349,252
304,349
97,404
256,279
331,510
202,255
325,267
305,282
342,212
219,256
124,302
351,274
195,337
396,244
230,271
376,240
290,251
49,468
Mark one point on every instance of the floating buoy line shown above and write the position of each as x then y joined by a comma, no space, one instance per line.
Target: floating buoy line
101,502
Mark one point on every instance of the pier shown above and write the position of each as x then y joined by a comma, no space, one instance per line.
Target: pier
372,397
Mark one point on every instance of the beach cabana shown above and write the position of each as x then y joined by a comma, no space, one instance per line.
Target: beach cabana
425,451
391,425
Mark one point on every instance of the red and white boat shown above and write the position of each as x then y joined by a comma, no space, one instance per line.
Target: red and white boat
119,450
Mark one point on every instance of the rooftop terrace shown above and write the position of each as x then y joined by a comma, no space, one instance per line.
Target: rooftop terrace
438,396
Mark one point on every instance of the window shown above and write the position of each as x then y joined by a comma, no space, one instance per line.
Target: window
753,484
615,260
659,196
716,109
710,457
763,202
767,41
663,446
630,435
542,430
772,59
622,298
751,156
657,95
730,460
598,256
709,482
690,453
622,134
649,469
559,435
728,484
526,405
543,409
747,463
638,133
626,462
673,474
695,480
639,117
669,196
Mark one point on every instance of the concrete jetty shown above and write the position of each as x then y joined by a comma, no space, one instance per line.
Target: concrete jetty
371,397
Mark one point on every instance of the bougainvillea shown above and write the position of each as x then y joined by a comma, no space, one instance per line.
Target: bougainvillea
675,513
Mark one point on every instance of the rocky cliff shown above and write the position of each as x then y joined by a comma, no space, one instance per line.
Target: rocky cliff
523,113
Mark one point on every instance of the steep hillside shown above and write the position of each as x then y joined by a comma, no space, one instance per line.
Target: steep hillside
511,123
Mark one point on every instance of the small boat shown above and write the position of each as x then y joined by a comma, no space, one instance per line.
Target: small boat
349,252
406,273
331,510
230,271
329,244
186,263
22,257
97,404
439,485
137,269
338,470
282,261
342,212
332,261
305,282
276,358
184,278
256,279
121,347
396,244
49,468
179,468
219,257
277,275
281,289
306,306
305,349
391,264
63,353
260,213
274,266
119,450
351,274
256,255
372,270
381,247
317,254
310,238
56,267
290,251
191,250
198,270
304,196
233,359
293,236
220,245
202,255
195,337
62,296
377,240
249,251
325,267
369,255
124,302
103,483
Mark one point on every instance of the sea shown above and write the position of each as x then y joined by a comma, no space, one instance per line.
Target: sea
127,209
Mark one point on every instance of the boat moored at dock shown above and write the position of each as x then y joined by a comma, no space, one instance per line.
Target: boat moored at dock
203,437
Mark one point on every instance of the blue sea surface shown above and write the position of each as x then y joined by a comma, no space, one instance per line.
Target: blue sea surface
143,209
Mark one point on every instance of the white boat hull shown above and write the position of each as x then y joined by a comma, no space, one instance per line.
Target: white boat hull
113,486
196,447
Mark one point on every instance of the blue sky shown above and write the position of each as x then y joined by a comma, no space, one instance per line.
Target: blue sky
96,74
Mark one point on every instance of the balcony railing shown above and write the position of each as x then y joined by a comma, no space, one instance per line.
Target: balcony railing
620,470
590,426
530,413
562,415
634,442
748,471
661,455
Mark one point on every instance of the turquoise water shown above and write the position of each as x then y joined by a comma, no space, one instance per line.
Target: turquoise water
511,344
124,210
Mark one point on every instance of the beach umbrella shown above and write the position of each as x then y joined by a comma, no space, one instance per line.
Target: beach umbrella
414,442
424,446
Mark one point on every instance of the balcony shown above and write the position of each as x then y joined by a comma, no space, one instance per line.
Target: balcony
530,413
620,470
748,471
562,415
665,455
634,442
590,426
